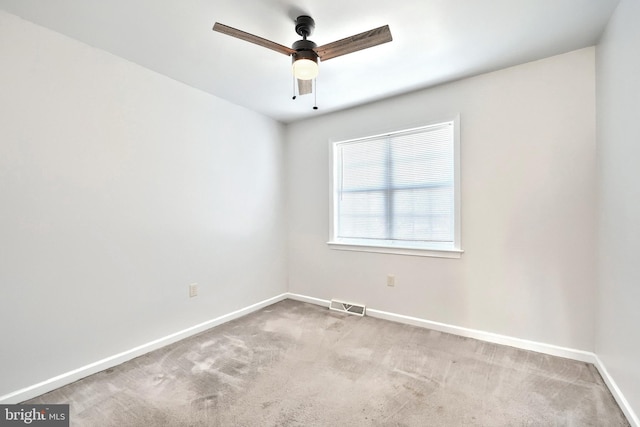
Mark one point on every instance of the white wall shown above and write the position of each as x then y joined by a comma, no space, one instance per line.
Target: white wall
118,188
528,203
618,321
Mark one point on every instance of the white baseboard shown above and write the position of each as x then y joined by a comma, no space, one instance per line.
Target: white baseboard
109,362
632,417
311,300
553,350
583,356
569,353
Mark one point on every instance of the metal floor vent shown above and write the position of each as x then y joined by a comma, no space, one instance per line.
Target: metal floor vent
347,307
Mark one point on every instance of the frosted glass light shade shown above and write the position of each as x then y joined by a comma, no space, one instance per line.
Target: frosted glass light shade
305,69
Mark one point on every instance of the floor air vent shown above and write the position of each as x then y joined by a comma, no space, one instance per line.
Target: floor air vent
347,307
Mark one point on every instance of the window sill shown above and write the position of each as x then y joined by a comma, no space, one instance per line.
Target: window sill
437,253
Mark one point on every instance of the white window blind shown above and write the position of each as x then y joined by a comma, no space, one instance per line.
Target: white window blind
397,189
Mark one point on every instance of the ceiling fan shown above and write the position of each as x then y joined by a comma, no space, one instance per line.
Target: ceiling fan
305,53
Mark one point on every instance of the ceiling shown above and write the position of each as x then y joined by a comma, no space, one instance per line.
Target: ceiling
434,41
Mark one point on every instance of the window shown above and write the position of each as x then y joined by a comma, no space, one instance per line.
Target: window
398,192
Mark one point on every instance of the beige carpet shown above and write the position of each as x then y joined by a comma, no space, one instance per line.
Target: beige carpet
295,364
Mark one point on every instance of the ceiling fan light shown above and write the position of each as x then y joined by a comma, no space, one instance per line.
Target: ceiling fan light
305,69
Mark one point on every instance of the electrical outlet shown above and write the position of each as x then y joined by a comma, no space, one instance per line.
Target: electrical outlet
193,290
391,280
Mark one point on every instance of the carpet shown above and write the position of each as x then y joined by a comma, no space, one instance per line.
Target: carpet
296,364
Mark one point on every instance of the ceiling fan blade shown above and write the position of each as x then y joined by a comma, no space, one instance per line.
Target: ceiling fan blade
305,87
355,43
233,32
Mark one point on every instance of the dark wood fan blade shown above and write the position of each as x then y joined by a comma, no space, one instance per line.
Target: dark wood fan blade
305,87
239,34
355,43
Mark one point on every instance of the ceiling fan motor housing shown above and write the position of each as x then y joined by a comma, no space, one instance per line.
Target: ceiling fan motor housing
304,50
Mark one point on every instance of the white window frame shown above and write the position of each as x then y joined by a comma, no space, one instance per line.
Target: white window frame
431,250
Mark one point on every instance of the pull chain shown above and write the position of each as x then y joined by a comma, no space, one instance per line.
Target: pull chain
315,94
294,88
